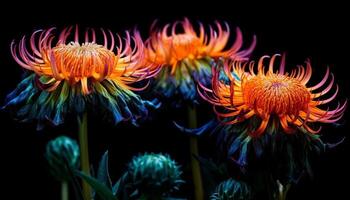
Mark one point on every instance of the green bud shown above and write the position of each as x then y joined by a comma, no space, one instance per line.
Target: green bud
62,155
154,174
231,190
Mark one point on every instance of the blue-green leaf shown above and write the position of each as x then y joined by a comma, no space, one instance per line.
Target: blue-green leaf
101,190
103,172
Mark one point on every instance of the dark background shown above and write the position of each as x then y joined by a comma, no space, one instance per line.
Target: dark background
317,31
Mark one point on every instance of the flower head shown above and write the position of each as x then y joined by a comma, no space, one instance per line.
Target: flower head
274,97
154,174
257,109
186,55
62,155
231,190
69,74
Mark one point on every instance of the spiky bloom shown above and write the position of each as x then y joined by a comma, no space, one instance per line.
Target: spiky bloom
69,74
186,55
232,190
62,155
274,97
154,174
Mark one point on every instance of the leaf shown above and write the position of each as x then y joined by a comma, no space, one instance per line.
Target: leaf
75,183
103,172
101,190
120,185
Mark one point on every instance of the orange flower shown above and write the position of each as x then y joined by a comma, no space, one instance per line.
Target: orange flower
83,63
275,97
70,75
186,55
172,49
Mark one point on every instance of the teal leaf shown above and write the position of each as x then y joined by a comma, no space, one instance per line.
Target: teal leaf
103,172
120,186
101,190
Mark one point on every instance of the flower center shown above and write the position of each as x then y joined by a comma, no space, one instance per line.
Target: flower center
275,94
183,39
184,46
75,62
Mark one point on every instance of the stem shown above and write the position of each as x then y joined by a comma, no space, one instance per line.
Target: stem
64,190
196,170
282,191
84,154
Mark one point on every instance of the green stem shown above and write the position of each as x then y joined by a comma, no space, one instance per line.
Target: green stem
282,191
196,170
64,190
84,154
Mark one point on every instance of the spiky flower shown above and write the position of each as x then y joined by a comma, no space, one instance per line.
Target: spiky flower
276,98
69,75
62,155
154,174
186,56
232,190
258,109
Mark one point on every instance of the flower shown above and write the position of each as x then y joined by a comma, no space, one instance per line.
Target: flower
274,97
187,56
154,174
256,111
72,74
62,155
231,190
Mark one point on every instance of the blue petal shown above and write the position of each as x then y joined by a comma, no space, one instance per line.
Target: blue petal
242,161
236,144
196,131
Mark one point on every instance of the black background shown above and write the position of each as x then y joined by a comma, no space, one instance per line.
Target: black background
317,31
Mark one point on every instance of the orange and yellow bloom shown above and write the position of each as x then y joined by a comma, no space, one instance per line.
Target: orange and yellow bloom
275,97
186,55
69,74
257,105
